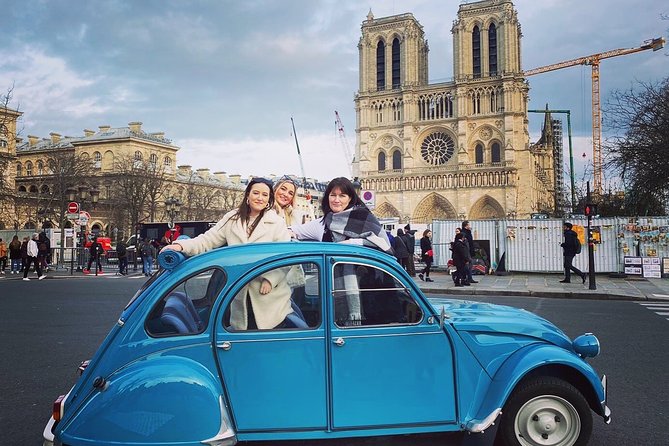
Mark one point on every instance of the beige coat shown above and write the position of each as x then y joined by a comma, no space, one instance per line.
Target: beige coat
269,309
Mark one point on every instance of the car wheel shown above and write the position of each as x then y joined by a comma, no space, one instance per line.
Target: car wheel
545,411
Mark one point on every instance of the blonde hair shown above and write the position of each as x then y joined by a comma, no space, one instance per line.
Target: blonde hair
286,212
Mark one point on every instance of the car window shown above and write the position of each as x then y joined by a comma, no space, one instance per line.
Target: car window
365,295
294,301
185,309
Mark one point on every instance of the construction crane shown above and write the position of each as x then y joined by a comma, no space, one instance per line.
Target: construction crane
345,147
593,60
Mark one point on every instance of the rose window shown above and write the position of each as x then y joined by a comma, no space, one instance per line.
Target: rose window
437,148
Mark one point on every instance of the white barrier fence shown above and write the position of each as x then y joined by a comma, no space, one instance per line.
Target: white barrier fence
534,245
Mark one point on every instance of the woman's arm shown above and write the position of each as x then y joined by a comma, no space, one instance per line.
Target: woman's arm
311,230
213,238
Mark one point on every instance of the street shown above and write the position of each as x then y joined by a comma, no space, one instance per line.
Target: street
48,327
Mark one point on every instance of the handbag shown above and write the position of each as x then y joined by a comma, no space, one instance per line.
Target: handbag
295,277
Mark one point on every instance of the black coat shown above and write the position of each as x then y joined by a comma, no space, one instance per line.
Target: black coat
411,241
470,240
425,246
570,243
460,253
400,247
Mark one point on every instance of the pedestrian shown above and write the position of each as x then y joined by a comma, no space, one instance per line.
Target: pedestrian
411,244
570,247
43,248
461,259
467,233
401,249
3,256
32,252
15,254
122,255
427,255
24,253
148,251
265,302
95,252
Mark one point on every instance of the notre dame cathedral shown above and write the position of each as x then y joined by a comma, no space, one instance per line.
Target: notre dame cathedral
451,150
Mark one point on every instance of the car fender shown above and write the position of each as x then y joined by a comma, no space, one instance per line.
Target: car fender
169,399
524,361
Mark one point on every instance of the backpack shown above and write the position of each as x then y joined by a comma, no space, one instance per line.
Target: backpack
577,249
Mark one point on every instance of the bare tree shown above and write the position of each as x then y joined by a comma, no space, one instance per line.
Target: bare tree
7,138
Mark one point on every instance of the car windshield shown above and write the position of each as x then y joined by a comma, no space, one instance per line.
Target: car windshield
145,286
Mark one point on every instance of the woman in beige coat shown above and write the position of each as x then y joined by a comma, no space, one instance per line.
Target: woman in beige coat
265,302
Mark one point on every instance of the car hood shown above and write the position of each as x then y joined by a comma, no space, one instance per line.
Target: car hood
479,317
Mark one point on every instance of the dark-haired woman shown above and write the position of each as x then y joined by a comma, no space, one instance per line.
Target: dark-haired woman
427,255
266,300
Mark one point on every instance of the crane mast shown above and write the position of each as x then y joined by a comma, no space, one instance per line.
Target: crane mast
593,60
345,147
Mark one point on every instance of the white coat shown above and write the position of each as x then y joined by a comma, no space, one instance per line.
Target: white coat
269,309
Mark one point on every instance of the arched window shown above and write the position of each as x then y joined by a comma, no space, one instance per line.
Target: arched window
381,66
476,52
397,160
396,63
33,189
382,161
19,170
492,49
496,153
478,154
22,189
44,189
138,156
29,168
167,161
97,160
40,168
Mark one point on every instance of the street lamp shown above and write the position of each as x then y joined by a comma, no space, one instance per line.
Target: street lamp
84,193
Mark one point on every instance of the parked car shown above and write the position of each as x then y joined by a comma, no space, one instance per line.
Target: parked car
174,371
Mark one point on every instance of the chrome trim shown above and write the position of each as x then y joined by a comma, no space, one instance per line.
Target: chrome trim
392,335
607,411
239,341
120,322
48,434
484,424
339,342
226,435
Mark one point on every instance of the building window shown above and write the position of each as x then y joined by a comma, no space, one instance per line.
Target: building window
476,52
396,63
153,160
29,168
19,170
40,168
381,161
397,160
381,66
437,148
496,153
44,190
3,143
97,160
492,49
33,189
478,154
22,189
167,161
138,156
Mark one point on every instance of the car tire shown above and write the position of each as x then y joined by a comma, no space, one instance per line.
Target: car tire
545,410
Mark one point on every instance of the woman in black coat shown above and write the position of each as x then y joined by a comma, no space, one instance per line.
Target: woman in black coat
401,249
427,255
461,260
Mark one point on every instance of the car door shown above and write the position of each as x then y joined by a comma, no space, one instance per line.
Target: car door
391,365
276,379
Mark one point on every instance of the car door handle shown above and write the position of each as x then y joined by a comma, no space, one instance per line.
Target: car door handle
225,345
339,342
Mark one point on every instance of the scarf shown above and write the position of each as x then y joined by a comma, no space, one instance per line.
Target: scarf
357,222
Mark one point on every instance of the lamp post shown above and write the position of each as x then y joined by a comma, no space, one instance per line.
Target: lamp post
84,193
172,206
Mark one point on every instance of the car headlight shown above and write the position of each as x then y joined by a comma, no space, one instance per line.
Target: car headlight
586,345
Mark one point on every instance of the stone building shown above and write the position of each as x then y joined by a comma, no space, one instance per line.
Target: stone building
450,150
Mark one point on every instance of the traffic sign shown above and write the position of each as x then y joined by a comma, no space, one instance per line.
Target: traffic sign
368,198
72,207
83,218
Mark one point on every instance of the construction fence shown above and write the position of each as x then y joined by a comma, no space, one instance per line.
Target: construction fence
534,245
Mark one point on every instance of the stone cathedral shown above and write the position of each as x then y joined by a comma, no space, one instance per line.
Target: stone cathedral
451,150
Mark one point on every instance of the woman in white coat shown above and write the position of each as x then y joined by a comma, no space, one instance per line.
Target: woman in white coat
265,302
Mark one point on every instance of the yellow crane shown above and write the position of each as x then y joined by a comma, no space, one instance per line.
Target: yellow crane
593,60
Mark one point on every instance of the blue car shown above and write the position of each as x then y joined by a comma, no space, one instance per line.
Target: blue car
365,354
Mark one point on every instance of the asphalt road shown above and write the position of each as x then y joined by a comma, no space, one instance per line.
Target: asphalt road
47,328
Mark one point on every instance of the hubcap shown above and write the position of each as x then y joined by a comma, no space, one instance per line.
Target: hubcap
547,420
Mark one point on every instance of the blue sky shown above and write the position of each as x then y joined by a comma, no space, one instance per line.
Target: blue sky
222,78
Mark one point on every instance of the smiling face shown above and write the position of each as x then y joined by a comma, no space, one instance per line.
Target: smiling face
258,198
285,194
338,200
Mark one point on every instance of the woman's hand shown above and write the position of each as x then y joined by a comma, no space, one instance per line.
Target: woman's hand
174,247
265,287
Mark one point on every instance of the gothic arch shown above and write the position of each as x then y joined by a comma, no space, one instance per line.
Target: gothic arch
433,207
386,210
486,208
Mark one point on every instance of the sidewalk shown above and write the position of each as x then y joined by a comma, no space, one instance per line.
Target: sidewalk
548,285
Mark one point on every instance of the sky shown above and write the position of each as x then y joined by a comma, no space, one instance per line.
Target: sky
223,78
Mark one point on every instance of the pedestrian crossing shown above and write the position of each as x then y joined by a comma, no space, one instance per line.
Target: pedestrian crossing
659,308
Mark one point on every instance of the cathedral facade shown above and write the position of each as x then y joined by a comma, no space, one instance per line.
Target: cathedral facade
451,150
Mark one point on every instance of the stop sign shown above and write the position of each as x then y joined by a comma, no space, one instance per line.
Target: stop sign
73,207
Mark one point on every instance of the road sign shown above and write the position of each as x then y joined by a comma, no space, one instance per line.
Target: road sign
83,218
368,198
72,216
72,207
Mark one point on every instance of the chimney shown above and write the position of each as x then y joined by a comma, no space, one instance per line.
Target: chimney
135,126
88,133
55,137
18,140
236,179
104,128
184,170
33,140
221,176
159,135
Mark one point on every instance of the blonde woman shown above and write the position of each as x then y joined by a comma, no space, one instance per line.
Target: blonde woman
285,191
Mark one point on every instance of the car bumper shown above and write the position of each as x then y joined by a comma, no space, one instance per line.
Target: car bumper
606,412
49,439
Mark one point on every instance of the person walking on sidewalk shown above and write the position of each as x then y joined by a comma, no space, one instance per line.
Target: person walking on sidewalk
32,251
461,259
469,239
570,247
401,249
15,254
95,252
3,256
410,237
122,255
427,255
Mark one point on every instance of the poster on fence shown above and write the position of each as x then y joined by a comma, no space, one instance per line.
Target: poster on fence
665,266
633,266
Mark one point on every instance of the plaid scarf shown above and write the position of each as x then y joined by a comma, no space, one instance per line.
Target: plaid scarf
358,222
